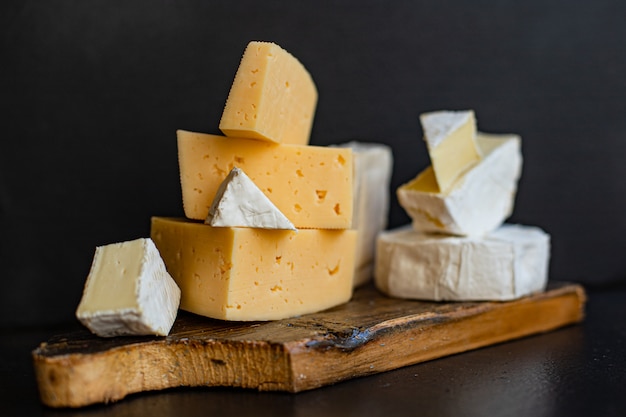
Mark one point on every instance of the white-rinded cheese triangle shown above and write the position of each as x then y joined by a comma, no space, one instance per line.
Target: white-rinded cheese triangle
438,125
451,140
240,203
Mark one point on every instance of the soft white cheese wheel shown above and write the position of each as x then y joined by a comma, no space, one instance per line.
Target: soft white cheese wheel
509,263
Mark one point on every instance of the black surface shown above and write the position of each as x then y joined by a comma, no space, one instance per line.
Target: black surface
92,93
579,370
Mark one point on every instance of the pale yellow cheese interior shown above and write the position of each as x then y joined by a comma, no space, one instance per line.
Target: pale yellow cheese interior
255,274
112,283
455,154
310,185
426,181
272,97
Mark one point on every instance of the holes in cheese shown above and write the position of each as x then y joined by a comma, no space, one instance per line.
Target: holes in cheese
290,175
256,274
451,141
273,97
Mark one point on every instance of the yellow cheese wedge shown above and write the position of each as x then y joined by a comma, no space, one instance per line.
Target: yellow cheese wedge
273,97
310,185
451,141
248,274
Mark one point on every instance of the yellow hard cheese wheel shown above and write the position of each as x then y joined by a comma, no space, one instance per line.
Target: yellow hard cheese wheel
248,274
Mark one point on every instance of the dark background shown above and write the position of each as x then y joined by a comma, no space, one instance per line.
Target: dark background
93,92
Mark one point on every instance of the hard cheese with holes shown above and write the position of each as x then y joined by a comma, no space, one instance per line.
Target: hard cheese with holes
242,273
310,185
272,98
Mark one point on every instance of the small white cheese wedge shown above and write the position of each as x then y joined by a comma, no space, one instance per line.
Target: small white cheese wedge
240,203
373,163
478,202
128,291
451,141
509,263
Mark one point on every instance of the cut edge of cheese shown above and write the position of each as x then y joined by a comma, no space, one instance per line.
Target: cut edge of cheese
240,203
451,142
273,97
128,291
246,274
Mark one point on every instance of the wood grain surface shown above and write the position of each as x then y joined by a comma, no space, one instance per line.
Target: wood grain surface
370,334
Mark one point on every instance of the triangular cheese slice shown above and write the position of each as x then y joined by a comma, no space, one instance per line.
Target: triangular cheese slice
451,140
240,203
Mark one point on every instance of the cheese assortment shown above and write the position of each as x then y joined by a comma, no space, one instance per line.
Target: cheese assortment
267,233
129,291
276,228
457,246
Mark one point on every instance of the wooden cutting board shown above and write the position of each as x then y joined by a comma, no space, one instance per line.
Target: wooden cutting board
370,334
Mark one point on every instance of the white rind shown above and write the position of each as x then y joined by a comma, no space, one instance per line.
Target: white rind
438,125
480,201
240,203
373,164
509,263
157,299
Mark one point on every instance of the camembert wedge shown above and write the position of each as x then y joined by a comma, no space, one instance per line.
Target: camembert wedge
478,202
451,141
128,291
240,203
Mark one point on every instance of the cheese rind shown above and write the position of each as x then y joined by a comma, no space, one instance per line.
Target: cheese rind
478,202
128,291
245,274
373,164
509,263
272,97
310,185
240,203
451,141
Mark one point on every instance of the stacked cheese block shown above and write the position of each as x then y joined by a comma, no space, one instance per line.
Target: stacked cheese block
270,231
457,247
267,233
